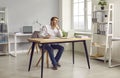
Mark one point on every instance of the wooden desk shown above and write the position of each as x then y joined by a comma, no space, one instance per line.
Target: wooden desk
57,40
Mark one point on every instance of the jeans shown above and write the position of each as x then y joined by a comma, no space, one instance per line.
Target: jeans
50,48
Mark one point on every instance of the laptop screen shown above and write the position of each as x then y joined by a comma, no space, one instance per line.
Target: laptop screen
27,29
70,34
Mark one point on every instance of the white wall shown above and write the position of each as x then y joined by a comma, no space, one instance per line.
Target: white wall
65,14
25,12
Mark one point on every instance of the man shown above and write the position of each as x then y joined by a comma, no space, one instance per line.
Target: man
51,31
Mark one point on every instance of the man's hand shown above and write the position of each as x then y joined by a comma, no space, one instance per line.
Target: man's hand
48,36
57,27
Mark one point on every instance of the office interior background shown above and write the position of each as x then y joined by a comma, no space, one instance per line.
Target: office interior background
26,12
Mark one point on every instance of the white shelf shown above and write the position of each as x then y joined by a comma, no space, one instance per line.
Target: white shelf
2,11
101,10
3,32
17,40
102,22
102,31
100,58
98,45
3,43
4,53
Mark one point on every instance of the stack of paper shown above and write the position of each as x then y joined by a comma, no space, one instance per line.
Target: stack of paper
81,36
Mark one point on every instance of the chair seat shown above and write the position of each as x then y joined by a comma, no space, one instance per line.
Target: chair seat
39,48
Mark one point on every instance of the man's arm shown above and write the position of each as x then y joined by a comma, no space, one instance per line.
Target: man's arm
43,33
60,34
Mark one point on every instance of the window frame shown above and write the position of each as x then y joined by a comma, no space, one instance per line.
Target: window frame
86,28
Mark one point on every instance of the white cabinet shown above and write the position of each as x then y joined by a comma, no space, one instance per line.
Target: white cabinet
102,27
3,31
18,43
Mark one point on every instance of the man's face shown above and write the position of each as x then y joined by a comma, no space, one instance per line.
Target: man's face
55,21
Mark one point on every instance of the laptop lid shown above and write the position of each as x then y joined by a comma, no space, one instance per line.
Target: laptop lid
70,34
27,29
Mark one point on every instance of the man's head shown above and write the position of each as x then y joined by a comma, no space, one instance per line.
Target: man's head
54,21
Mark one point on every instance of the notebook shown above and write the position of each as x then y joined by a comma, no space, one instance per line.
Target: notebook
70,34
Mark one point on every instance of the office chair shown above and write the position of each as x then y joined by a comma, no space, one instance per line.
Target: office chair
47,58
38,48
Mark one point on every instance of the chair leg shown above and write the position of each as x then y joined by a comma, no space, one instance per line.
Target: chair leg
29,50
37,47
47,60
38,61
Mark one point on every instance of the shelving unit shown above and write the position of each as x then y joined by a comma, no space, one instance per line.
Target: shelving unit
3,32
102,27
18,43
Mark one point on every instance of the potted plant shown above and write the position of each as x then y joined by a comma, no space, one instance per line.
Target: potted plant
102,3
65,34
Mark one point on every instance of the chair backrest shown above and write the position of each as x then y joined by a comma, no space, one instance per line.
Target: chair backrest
36,34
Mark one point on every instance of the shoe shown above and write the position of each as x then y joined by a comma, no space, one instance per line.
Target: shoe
54,67
58,65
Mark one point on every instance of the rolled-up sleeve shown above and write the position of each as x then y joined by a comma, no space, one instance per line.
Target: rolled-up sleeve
60,34
43,31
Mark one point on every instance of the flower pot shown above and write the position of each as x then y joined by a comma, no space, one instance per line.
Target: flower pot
102,8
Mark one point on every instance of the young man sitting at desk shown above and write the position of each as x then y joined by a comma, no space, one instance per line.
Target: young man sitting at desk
51,31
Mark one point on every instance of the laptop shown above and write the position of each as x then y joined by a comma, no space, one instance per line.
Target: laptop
27,29
70,34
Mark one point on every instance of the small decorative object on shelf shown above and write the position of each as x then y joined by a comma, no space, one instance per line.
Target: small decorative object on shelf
106,19
3,26
102,3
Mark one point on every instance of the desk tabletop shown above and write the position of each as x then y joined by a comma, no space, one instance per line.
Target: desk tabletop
41,40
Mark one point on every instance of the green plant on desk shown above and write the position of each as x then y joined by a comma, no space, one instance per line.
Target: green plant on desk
65,34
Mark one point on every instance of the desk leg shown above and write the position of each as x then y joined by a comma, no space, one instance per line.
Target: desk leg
73,51
31,55
42,61
86,52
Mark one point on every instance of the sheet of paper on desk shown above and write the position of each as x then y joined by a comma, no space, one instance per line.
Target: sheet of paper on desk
81,36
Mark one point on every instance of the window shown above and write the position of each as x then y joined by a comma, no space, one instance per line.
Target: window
82,15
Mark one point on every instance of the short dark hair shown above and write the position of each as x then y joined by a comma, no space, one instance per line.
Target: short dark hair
54,18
